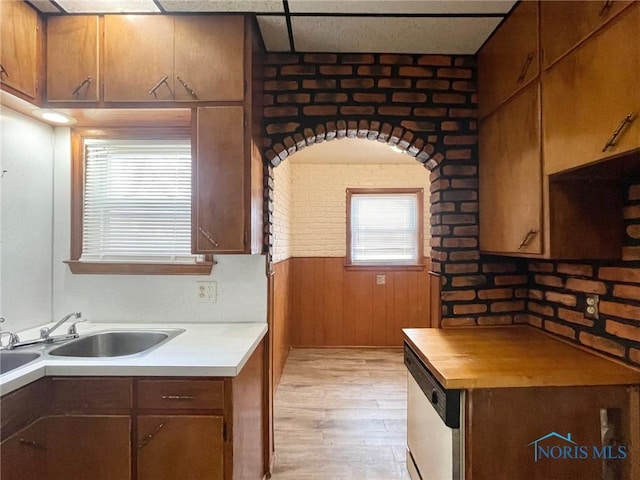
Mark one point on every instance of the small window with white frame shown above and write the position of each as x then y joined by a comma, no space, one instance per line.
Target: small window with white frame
385,227
131,204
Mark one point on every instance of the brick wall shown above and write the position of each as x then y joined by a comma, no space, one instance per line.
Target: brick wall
557,289
425,104
282,212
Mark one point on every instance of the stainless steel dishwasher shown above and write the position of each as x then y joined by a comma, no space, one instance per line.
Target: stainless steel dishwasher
435,425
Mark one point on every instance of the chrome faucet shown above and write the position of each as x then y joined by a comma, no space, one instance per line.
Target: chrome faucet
13,338
45,333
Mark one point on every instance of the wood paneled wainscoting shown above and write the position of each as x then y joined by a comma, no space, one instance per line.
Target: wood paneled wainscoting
320,303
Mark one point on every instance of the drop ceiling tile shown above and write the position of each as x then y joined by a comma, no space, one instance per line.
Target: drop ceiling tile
44,6
108,6
274,33
460,35
400,6
260,6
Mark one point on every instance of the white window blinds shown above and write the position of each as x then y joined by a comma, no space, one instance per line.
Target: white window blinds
384,228
137,201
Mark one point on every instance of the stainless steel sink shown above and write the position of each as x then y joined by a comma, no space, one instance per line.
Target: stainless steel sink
115,343
12,360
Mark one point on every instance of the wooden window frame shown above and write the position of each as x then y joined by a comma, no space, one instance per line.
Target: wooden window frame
77,266
420,265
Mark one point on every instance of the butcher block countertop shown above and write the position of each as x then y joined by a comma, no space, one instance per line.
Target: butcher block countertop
517,356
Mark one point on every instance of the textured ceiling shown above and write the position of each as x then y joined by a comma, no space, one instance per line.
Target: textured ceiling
352,26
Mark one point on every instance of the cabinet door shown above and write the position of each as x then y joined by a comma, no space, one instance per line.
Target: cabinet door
18,47
583,17
510,177
509,59
209,58
138,58
180,447
72,58
23,455
588,95
219,208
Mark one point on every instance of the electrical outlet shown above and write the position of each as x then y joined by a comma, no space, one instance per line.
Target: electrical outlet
591,307
381,279
206,292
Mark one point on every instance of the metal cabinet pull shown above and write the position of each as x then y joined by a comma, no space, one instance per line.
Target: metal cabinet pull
157,86
84,82
143,443
208,236
612,140
30,443
530,234
178,397
525,67
3,71
187,88
606,6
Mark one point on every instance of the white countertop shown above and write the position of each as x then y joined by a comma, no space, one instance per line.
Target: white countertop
202,350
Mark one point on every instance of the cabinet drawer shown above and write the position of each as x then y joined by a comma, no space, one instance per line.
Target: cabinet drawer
181,394
88,394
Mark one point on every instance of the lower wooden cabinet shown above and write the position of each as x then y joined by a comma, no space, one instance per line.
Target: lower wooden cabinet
23,454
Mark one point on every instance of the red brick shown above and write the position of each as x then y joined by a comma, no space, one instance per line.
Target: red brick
293,98
463,112
633,231
632,212
623,330
626,291
320,58
602,344
282,127
270,72
356,58
454,73
496,320
468,309
418,126
280,111
459,195
394,83
534,320
429,112
458,295
459,243
416,72
460,139
357,110
549,280
330,97
357,83
336,70
274,85
521,318
464,183
630,254
433,84
466,61
409,97
460,170
323,83
464,86
468,280
435,60
463,154
536,294
620,274
281,58
450,126
563,298
456,268
634,355
298,70
441,230
435,242
464,255
323,110
620,310
449,98
267,100
439,184
442,207
374,71
541,267
457,322
396,59
634,192
396,111
369,97
465,231
541,309
574,317
512,306
587,286
573,269
510,279
559,329
458,219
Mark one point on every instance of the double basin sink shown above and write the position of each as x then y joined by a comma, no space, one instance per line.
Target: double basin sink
107,344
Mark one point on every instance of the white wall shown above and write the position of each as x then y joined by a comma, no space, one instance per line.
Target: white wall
282,205
241,279
26,210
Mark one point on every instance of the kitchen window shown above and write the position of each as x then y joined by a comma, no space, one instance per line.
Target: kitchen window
131,203
385,227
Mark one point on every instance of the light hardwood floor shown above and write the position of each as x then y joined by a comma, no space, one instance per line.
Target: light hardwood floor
340,414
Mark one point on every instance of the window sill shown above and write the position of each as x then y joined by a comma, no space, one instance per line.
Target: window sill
385,268
121,268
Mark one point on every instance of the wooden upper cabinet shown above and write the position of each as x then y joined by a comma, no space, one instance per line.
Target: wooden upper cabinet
209,58
19,33
591,99
511,177
510,59
138,58
72,58
563,24
219,214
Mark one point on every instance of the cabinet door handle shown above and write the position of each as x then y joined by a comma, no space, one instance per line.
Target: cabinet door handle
147,438
157,86
614,136
530,234
84,82
178,397
208,236
525,67
3,72
30,443
187,88
606,6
